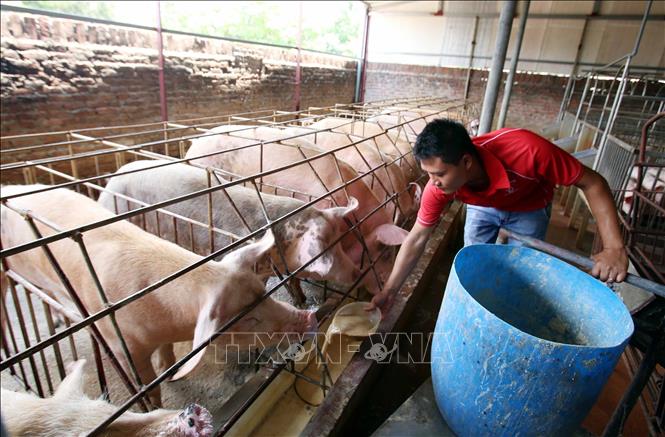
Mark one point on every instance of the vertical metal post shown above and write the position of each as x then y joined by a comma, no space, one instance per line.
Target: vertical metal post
363,74
615,426
567,97
513,66
494,80
296,91
568,89
579,107
467,86
361,60
624,79
602,112
593,94
160,49
578,54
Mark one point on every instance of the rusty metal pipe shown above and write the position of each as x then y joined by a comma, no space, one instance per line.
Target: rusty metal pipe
571,257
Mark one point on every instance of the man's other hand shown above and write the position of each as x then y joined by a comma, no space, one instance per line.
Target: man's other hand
383,301
610,265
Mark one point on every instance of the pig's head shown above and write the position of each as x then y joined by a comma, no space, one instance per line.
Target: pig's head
75,411
310,233
235,288
193,421
381,245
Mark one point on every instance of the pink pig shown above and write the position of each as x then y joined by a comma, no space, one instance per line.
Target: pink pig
315,178
127,259
69,412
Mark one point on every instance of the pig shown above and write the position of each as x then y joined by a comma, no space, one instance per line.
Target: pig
127,259
415,122
301,236
390,178
393,143
411,121
69,412
653,187
377,230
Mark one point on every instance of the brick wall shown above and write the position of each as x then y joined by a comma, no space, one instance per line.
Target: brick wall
534,102
59,74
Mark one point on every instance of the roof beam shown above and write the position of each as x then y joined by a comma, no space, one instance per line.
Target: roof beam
620,17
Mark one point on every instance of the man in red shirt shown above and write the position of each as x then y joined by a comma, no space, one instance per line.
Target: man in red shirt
507,178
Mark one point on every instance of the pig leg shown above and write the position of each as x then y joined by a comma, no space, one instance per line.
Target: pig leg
147,374
165,358
295,290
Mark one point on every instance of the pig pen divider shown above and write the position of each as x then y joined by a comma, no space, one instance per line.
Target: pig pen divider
47,167
42,241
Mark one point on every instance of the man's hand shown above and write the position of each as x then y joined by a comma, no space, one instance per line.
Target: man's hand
610,265
382,300
406,259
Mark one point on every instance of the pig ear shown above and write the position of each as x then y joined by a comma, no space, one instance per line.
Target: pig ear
343,211
312,243
417,192
322,265
206,325
390,235
72,386
247,256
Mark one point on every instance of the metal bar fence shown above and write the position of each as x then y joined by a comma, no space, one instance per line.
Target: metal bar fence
84,159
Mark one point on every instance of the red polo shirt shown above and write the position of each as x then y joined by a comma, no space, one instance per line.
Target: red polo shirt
523,169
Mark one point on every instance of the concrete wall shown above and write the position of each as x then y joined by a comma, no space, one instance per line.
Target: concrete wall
59,74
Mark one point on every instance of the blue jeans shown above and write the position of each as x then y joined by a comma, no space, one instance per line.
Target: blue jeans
483,223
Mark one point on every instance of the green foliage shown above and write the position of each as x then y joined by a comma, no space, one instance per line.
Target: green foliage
100,10
333,27
272,22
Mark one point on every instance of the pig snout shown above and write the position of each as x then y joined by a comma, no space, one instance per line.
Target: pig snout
195,421
311,324
305,323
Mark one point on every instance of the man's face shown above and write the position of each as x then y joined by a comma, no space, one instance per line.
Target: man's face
447,177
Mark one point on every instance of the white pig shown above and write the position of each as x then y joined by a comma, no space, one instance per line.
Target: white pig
362,157
391,142
301,236
128,259
69,412
323,175
653,187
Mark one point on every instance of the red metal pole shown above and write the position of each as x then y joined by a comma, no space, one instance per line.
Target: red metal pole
160,49
363,77
296,91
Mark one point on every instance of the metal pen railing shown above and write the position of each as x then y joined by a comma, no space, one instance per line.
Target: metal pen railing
75,162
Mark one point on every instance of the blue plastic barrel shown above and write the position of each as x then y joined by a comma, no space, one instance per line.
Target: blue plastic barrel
524,343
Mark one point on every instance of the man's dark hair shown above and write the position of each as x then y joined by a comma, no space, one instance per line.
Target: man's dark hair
446,139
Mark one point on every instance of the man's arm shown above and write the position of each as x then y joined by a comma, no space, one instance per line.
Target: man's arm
611,264
407,257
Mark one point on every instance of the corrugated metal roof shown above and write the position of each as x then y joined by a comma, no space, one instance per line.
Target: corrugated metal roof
417,32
